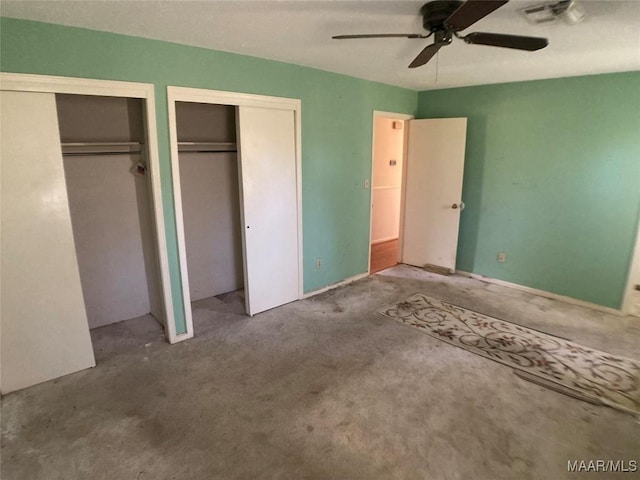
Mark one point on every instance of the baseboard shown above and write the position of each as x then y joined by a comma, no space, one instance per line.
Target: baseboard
346,281
541,293
382,240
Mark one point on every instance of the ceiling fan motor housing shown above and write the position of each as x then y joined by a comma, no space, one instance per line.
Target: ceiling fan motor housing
435,13
445,18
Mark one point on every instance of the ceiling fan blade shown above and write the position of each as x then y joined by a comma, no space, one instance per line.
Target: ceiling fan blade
425,55
507,41
380,35
471,11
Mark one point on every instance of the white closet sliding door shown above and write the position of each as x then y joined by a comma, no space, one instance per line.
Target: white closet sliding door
45,333
267,150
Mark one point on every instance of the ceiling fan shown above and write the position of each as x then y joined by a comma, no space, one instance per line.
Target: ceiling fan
444,19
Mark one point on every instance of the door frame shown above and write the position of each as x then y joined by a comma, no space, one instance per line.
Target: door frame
19,82
627,307
397,116
218,97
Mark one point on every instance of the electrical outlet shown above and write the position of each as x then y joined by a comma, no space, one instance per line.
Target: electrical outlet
318,263
366,183
502,257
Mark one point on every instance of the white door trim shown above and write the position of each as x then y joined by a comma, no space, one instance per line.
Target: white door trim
81,86
399,116
186,94
632,278
24,82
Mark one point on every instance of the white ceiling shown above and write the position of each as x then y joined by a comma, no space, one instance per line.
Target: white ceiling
299,32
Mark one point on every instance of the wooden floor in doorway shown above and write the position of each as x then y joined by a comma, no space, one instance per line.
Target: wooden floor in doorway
384,255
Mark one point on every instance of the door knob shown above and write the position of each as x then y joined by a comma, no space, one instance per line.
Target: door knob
454,206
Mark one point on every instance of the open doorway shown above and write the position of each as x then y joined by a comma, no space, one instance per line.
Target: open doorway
105,165
389,135
208,166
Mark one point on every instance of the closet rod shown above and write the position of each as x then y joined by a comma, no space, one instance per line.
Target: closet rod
207,147
96,154
207,151
100,148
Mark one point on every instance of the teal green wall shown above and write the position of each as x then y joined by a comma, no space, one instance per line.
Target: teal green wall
336,125
552,178
552,172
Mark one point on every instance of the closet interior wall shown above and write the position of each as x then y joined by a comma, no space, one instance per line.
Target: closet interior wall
103,144
209,182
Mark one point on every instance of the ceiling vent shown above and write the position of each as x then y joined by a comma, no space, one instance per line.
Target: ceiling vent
568,10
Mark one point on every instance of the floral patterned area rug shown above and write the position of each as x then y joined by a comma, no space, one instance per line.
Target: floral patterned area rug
588,373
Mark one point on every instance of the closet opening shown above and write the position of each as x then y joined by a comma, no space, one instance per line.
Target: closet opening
108,186
211,208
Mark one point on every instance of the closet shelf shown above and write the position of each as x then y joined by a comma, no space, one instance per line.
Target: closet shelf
100,148
207,147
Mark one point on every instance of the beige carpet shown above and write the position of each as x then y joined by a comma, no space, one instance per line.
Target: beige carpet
588,373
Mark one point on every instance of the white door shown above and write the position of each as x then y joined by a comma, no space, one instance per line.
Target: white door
45,333
267,150
433,191
631,302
